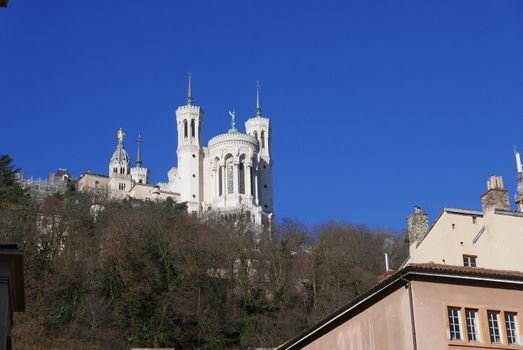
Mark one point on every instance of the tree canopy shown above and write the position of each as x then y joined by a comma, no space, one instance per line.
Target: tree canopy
139,274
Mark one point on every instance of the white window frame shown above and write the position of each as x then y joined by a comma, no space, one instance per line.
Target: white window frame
516,327
498,326
452,325
476,324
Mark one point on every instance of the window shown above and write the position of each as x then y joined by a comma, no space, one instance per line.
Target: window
192,128
510,325
502,326
454,324
263,139
469,260
229,176
185,128
493,326
241,177
471,316
220,181
474,220
253,189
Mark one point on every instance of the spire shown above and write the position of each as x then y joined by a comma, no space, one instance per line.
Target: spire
139,154
258,108
189,90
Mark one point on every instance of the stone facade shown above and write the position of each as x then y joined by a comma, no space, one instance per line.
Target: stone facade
233,174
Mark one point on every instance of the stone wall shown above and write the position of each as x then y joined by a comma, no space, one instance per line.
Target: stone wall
495,198
417,225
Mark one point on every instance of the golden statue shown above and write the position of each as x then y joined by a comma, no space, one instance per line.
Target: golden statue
120,136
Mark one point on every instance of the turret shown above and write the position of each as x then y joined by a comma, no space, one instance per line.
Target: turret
140,174
120,169
260,128
189,120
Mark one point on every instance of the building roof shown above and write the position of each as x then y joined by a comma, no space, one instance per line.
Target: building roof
93,174
120,154
399,278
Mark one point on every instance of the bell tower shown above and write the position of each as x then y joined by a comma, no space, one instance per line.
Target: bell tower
260,128
189,120
120,170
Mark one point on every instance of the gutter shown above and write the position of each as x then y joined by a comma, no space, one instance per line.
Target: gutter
408,285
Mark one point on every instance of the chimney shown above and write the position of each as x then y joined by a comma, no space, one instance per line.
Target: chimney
417,224
496,197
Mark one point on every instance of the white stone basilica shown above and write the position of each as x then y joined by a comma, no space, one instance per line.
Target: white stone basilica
233,174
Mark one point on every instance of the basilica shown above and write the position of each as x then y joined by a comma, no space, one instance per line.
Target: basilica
232,174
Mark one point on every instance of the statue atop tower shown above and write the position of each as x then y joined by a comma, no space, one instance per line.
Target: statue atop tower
120,136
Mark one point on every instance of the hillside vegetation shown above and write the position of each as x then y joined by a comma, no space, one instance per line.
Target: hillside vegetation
150,275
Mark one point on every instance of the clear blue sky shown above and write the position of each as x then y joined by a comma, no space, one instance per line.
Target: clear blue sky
376,105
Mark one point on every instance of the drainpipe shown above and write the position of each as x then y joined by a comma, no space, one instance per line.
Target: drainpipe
408,285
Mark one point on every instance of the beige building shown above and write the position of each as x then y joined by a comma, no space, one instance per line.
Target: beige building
491,238
425,307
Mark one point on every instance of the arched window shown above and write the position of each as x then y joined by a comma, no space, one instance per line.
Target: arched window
253,189
229,175
185,128
255,135
220,180
193,128
263,139
241,174
96,184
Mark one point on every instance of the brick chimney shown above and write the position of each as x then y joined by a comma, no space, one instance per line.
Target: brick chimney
496,197
417,224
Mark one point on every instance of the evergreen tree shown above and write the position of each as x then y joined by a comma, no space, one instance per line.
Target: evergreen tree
10,189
